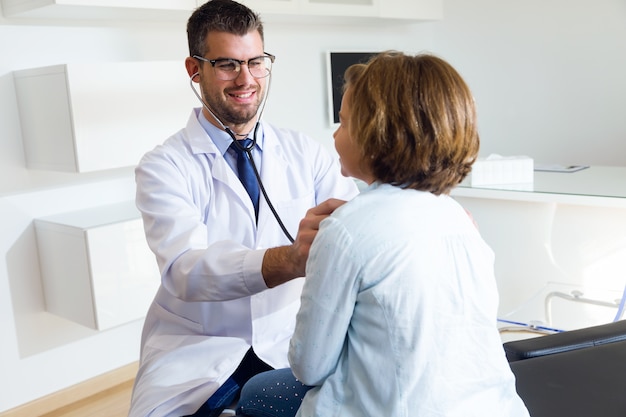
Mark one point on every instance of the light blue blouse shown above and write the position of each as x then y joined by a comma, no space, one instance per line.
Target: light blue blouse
398,313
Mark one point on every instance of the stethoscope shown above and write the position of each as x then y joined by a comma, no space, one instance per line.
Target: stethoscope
247,149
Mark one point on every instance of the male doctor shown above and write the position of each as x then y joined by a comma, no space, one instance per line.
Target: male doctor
226,306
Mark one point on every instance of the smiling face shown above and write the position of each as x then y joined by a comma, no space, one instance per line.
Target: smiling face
234,102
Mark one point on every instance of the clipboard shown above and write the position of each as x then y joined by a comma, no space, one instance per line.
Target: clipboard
559,168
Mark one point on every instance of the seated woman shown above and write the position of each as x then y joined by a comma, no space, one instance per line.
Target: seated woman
398,311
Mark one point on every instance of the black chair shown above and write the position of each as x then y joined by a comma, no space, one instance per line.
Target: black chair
579,373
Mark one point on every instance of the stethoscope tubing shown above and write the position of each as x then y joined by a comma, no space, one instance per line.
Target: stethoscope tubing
248,151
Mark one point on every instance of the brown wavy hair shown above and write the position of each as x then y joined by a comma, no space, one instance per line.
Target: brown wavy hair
414,119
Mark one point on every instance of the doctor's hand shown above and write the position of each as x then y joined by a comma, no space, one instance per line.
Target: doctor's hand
285,263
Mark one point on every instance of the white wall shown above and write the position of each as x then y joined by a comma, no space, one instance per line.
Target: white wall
548,80
548,76
299,91
41,353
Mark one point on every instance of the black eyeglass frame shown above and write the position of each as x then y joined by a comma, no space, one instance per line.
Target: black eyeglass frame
239,63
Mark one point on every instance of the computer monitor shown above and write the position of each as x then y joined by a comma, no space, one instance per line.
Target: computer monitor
337,63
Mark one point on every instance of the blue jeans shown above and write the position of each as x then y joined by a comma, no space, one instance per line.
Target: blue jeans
275,393
226,394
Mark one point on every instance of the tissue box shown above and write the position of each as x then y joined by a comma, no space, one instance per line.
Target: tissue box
497,169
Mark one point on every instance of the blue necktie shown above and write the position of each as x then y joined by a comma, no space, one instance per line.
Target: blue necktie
246,172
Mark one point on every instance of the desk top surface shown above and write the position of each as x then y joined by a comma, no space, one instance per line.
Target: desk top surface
607,184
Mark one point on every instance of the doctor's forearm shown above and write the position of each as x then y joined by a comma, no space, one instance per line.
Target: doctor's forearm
282,264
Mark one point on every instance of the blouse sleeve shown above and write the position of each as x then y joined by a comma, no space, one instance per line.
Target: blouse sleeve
327,303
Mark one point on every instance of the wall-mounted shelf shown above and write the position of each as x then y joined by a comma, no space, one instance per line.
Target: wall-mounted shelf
414,10
596,186
99,9
96,116
97,269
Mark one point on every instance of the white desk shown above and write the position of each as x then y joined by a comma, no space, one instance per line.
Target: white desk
594,186
564,230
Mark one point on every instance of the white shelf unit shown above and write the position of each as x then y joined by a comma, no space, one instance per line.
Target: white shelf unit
99,9
86,117
562,236
272,7
408,10
96,267
415,10
601,186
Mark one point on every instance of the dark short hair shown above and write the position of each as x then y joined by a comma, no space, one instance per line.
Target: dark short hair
414,119
220,16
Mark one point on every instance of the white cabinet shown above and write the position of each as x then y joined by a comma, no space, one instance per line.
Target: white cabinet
414,10
99,9
94,116
382,9
566,232
181,9
270,7
97,269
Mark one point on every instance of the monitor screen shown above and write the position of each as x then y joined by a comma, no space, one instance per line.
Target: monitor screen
337,63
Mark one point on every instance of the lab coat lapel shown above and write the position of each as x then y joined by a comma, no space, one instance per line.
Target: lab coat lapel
274,173
221,172
275,166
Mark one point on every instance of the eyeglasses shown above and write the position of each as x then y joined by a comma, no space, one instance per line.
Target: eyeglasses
227,69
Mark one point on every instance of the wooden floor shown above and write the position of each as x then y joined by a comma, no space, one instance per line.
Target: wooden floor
113,402
106,395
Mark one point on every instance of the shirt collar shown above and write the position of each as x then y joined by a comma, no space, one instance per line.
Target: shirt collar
220,138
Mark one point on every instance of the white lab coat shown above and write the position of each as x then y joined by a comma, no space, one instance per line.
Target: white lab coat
213,304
